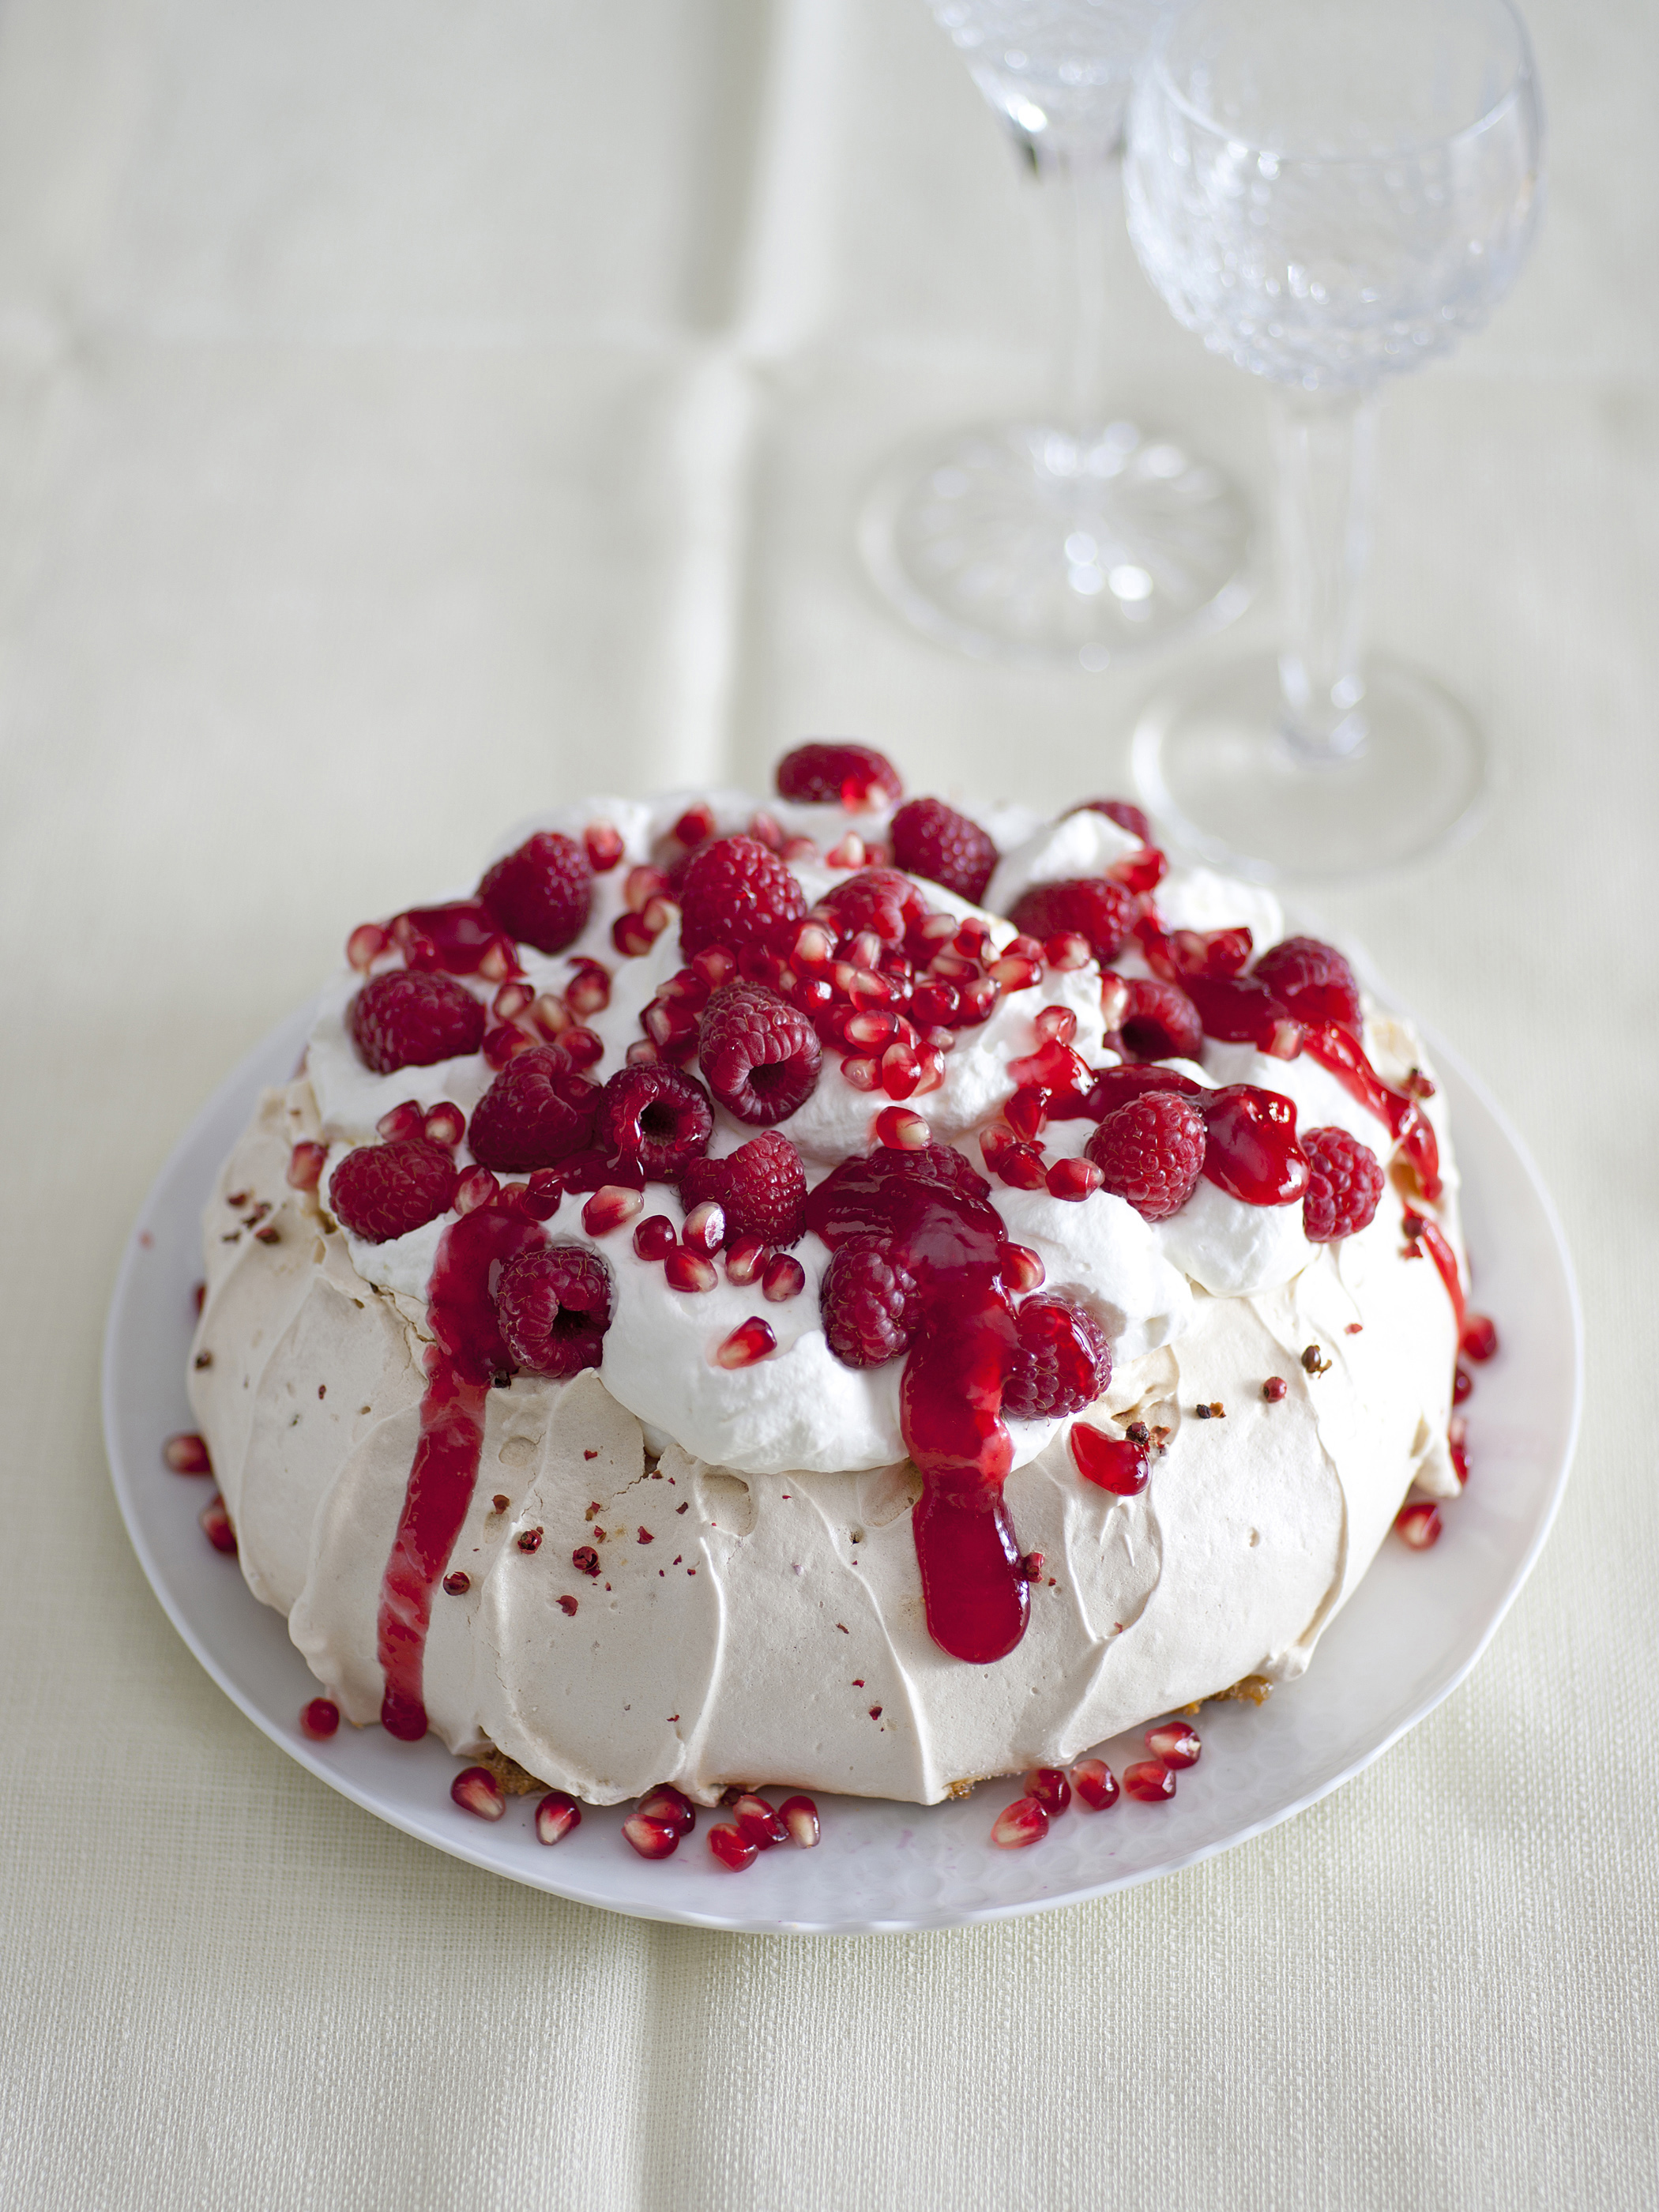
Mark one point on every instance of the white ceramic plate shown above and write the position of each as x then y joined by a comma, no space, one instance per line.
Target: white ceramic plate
1416,1625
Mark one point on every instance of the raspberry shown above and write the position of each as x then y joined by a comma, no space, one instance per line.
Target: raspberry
540,893
1160,1021
932,840
1063,1362
1092,906
383,1191
553,1307
852,777
1314,980
736,894
878,899
536,1111
1344,1183
1151,1152
405,1019
1120,811
762,1186
656,1115
871,1304
759,1055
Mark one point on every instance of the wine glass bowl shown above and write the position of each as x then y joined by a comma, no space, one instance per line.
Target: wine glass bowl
1328,192
1343,215
1072,533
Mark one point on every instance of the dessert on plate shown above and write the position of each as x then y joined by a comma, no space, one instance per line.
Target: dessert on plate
833,1289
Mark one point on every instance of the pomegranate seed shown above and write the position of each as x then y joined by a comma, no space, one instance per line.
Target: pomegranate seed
1284,1039
1138,871
731,1849
641,885
651,1839
785,1278
557,1815
758,1823
1048,1785
670,1806
716,964
900,1130
512,1001
458,1583
814,946
1021,947
870,1031
505,1042
1419,1523
187,1453
497,960
1462,1383
581,1047
1459,1459
1056,1024
630,936
611,1204
1068,951
1022,1268
319,1719
1023,1822
750,1340
1027,1112
551,1015
931,1061
901,1070
690,1272
705,1228
766,830
305,1164
475,1790
402,1122
365,945
475,1188
654,1238
864,950
1274,1389
1018,1165
849,854
976,1002
695,824
1480,1338
444,1125
746,1258
1013,973
1113,1464
544,1194
1095,1785
1150,1781
215,1525
800,1816
1074,1179
972,937
605,847
1174,1743
861,1073
798,848
1114,1002
588,991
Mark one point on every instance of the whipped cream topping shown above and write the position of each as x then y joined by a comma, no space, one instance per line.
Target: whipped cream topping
1152,1604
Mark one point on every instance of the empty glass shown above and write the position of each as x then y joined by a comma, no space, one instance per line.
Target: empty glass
1074,533
1329,192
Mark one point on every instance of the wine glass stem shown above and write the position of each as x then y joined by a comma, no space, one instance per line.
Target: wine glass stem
1326,447
1078,187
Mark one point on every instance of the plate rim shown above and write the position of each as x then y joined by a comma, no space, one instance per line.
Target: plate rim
251,1070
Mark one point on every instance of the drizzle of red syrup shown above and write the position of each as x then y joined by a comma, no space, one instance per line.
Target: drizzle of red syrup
460,1365
934,1213
1430,1234
1113,1464
1251,1150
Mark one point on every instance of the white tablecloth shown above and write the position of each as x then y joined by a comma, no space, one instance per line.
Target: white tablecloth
404,406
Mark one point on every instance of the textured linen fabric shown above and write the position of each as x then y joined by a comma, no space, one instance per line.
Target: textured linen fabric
406,406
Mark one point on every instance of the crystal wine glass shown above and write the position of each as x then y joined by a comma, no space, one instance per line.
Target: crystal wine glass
1072,534
1330,192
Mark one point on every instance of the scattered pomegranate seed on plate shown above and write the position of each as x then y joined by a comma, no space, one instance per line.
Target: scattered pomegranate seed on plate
215,1525
1049,1786
1174,1743
1026,1821
651,1839
1150,1781
187,1453
475,1791
557,1815
1095,1785
732,1849
1419,1523
800,1816
671,1806
758,1822
1480,1338
319,1719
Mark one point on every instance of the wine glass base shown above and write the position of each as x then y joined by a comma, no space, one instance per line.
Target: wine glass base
1210,757
1020,542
